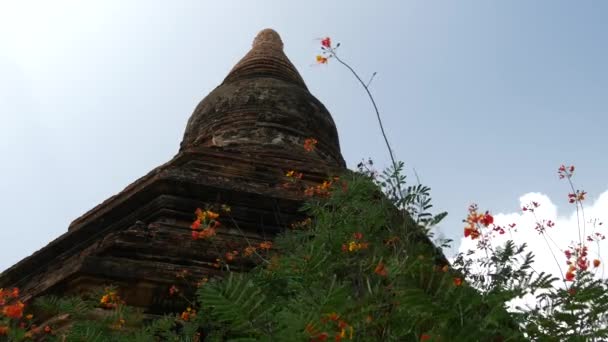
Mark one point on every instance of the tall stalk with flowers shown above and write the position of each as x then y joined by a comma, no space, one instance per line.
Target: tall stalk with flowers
570,307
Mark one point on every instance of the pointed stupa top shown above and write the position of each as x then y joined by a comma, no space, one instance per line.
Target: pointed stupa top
263,107
266,58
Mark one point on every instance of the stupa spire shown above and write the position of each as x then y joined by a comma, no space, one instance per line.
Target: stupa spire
267,59
263,107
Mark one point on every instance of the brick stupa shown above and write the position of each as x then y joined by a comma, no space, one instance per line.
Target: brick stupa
238,144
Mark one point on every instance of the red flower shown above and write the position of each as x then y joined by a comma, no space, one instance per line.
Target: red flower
425,337
457,281
321,337
487,219
196,224
310,143
381,269
3,330
326,42
357,236
173,290
569,276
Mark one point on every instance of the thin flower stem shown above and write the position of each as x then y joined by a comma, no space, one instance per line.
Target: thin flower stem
556,262
551,250
371,98
578,222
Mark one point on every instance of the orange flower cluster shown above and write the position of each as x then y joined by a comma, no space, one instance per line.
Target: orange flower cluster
205,225
294,179
475,220
321,190
251,250
6,295
356,244
10,306
327,50
110,299
266,245
188,314
310,143
340,329
578,196
293,174
577,261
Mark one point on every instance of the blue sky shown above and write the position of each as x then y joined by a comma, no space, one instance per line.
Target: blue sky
485,99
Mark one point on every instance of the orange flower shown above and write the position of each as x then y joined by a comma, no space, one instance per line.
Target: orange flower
13,311
110,299
204,234
471,231
310,143
188,314
321,59
381,269
596,263
266,245
309,191
15,292
457,281
249,251
229,256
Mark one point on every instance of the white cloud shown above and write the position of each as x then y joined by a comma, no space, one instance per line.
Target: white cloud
565,232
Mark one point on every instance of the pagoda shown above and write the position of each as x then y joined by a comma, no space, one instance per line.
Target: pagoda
238,144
